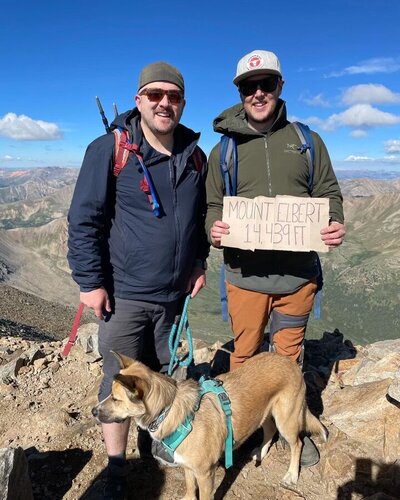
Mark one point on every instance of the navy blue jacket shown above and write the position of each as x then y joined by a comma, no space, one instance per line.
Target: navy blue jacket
115,240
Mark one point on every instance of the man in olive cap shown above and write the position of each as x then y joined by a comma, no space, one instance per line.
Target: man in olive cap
269,284
137,243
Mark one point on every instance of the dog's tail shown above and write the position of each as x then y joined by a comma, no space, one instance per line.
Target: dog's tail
314,426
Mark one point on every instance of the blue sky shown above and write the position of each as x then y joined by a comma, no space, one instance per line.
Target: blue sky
340,61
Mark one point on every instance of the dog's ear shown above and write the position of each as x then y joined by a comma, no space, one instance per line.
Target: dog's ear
134,386
124,361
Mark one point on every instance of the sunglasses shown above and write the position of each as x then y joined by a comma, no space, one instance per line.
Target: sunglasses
250,87
156,95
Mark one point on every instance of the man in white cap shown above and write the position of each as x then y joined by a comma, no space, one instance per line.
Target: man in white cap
269,284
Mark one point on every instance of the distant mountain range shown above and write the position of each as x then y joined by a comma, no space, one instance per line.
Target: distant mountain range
367,174
361,292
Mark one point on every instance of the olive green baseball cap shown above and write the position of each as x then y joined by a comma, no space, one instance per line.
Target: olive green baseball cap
161,72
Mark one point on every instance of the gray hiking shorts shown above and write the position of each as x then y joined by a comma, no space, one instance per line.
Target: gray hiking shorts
139,330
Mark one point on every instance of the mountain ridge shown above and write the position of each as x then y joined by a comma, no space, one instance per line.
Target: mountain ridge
361,277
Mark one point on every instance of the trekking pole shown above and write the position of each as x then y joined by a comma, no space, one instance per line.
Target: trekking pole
103,116
115,109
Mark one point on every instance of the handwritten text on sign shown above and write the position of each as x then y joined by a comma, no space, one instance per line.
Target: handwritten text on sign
281,223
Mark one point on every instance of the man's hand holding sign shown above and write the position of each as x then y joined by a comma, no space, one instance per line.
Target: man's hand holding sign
281,223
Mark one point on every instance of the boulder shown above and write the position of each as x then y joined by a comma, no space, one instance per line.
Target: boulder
364,414
15,483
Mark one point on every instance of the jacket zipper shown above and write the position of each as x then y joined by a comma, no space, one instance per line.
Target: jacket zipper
172,174
269,184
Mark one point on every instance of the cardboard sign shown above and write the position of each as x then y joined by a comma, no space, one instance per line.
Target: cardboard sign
280,223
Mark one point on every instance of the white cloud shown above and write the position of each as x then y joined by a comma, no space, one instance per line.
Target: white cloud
359,116
317,100
12,158
360,161
376,65
356,158
304,69
369,93
311,120
24,128
358,133
370,66
392,146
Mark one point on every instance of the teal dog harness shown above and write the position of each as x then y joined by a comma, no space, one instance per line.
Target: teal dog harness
172,441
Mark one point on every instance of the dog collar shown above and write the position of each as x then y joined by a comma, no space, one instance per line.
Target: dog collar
155,424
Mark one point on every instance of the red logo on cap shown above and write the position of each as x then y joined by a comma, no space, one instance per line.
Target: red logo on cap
254,62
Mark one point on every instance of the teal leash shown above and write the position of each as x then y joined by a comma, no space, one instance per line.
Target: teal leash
172,441
175,337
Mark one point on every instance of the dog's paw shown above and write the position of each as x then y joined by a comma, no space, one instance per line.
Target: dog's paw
189,498
256,454
290,479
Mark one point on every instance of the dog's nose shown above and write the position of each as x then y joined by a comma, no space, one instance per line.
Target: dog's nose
95,411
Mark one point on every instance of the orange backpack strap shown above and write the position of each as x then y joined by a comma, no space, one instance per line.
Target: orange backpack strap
121,153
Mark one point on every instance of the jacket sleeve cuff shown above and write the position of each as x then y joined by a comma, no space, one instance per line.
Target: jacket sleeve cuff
200,263
87,288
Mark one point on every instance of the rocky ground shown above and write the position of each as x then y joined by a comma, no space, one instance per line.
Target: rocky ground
46,410
24,314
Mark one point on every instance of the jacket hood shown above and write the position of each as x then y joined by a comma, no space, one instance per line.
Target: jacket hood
123,120
185,140
233,120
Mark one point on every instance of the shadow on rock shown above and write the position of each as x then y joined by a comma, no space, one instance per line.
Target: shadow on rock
145,480
321,358
372,480
220,363
53,472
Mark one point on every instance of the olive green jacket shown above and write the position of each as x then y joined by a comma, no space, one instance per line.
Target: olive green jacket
270,164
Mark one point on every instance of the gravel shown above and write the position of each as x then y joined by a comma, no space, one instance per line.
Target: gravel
32,318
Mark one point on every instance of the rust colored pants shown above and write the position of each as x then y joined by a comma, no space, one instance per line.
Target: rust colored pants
250,311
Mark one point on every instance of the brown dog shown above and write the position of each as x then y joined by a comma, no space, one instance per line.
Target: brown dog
268,391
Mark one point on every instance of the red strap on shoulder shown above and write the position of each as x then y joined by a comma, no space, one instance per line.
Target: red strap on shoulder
198,159
74,330
121,153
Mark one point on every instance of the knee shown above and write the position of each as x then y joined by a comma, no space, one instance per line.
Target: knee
289,343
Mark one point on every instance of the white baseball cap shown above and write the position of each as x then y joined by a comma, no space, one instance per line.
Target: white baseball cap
257,62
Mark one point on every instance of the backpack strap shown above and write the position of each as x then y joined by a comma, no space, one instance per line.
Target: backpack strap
307,147
121,154
222,293
198,160
123,146
227,151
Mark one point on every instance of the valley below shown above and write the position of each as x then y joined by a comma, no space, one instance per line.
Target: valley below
360,295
